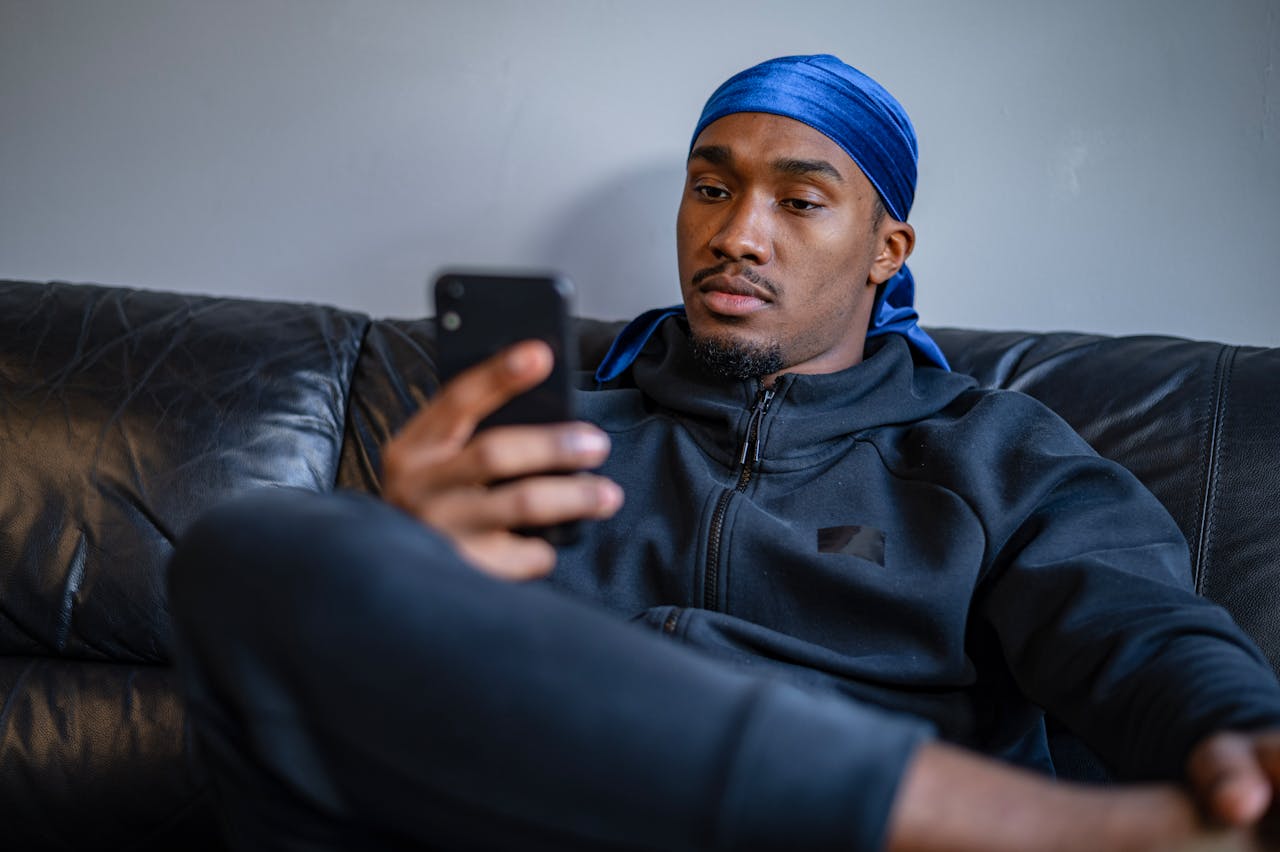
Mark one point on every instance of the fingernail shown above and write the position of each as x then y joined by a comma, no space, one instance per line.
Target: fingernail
527,356
519,360
610,497
586,441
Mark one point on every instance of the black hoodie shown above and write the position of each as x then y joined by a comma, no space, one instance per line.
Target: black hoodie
892,533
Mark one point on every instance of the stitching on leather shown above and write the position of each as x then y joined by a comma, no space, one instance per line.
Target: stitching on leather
348,391
1212,462
70,587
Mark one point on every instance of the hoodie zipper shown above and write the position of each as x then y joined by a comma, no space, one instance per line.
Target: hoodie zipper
748,460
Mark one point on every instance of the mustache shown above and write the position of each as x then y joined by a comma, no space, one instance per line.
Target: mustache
745,272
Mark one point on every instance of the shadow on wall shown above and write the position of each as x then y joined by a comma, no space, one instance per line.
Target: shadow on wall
617,242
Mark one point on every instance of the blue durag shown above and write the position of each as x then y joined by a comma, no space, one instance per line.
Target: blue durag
856,113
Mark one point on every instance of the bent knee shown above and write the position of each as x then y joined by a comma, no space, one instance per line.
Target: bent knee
246,548
262,550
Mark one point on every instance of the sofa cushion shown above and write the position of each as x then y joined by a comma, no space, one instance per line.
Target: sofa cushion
96,756
123,416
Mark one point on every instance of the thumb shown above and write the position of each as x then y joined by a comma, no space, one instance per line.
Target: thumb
1228,780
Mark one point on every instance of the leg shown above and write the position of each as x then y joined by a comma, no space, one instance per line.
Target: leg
355,685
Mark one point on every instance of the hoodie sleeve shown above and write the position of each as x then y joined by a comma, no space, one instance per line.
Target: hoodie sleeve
1087,588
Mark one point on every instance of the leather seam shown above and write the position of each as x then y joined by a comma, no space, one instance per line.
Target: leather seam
1210,468
349,396
1014,371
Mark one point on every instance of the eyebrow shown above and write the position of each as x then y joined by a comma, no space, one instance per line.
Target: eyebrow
716,155
720,155
801,168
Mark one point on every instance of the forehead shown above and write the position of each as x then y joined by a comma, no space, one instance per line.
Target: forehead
754,138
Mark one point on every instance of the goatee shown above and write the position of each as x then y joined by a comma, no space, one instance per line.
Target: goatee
732,359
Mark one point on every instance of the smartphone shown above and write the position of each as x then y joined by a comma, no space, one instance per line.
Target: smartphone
480,313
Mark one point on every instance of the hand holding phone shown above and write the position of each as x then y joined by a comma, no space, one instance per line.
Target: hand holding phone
481,477
469,464
479,314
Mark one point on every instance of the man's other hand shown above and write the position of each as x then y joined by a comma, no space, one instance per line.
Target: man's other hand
1234,776
951,800
476,488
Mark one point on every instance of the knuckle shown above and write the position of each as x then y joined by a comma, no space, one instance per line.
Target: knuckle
589,492
489,454
525,502
449,405
392,462
449,413
428,511
395,487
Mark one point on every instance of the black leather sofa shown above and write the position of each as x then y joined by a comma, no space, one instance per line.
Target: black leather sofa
126,414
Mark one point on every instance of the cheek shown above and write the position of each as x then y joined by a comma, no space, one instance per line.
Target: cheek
690,214
689,236
841,256
683,226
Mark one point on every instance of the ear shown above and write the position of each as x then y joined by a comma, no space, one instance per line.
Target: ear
896,240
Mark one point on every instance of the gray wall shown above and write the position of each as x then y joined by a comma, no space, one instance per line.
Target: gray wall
1103,166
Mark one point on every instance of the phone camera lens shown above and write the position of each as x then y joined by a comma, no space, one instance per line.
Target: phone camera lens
451,321
455,289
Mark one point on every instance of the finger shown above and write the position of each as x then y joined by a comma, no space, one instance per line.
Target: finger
537,501
509,452
1228,779
508,556
415,471
454,412
1267,747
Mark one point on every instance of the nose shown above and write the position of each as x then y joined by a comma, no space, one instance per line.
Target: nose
743,234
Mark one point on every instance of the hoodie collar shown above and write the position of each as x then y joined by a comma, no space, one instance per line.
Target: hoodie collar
807,411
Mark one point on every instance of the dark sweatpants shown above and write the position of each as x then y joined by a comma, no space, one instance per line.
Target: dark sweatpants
355,685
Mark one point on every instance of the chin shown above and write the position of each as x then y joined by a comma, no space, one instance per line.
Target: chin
736,356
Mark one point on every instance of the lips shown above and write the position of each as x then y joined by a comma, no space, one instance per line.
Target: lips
732,296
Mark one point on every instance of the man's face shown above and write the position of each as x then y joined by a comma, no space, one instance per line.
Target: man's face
778,248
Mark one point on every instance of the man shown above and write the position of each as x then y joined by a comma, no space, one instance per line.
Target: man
838,557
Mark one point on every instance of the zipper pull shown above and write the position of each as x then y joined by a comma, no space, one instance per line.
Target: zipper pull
751,443
764,409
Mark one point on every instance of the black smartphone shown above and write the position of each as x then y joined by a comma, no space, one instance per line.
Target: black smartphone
481,313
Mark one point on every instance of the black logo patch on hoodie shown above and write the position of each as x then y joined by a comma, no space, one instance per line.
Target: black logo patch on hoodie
861,541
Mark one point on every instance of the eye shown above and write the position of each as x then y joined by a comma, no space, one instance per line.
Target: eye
800,205
711,191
